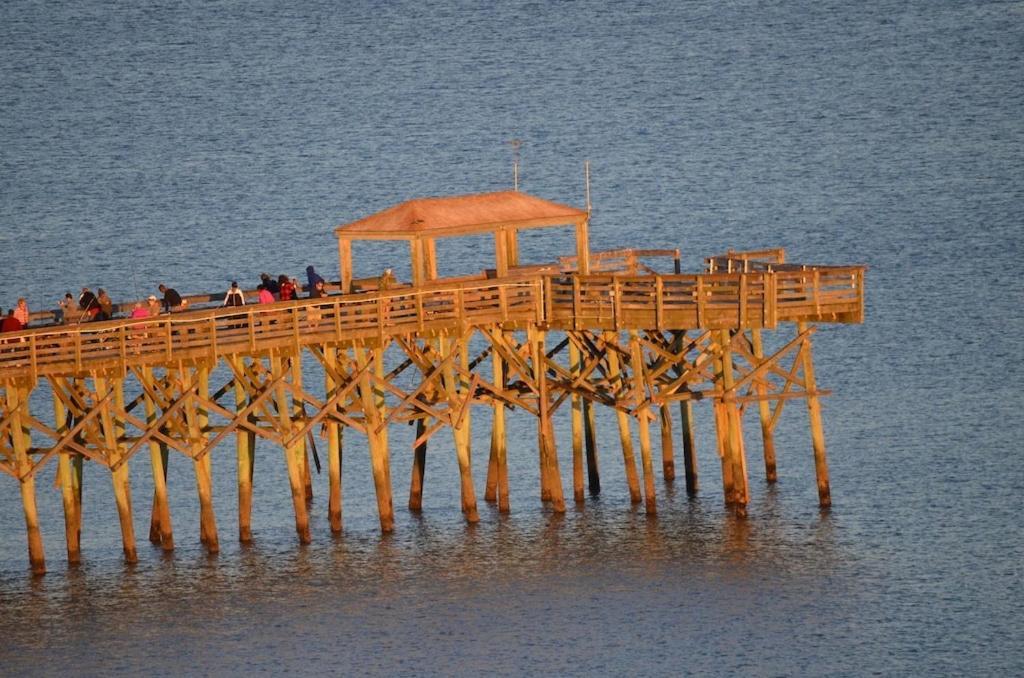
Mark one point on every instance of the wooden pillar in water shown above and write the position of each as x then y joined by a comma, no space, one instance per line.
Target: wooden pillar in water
722,437
377,441
17,399
160,529
197,419
70,486
334,441
551,477
298,415
245,449
625,437
644,423
590,439
764,410
689,446
668,455
687,428
419,467
458,388
817,430
119,467
497,471
735,428
576,369
291,453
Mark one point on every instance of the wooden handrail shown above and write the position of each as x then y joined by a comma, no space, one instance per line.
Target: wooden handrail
564,301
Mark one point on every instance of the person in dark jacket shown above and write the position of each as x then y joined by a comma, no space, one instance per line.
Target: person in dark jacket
313,278
270,285
172,300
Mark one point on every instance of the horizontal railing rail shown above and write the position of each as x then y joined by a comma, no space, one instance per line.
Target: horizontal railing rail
562,301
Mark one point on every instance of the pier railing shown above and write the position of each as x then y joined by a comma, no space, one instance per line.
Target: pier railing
560,301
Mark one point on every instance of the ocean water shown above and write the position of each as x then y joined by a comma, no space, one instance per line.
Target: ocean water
198,143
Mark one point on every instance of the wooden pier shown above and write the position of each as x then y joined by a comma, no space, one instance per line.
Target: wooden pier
591,330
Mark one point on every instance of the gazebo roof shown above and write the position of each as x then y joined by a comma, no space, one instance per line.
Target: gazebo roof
460,215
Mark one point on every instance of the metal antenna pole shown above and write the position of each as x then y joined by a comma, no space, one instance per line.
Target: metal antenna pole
515,143
586,175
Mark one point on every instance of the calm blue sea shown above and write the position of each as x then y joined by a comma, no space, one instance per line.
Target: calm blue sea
200,142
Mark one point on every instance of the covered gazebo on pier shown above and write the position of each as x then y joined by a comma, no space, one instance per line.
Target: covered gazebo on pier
422,221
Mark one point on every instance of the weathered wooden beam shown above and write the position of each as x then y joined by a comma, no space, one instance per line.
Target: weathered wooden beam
817,430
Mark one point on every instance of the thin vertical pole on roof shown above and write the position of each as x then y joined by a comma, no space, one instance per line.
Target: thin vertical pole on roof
515,143
586,176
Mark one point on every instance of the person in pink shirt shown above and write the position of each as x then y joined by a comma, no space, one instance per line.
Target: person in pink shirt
265,296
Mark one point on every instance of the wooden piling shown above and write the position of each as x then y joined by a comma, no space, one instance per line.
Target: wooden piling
70,498
499,445
160,529
551,477
461,397
643,417
590,439
334,443
689,447
17,397
419,466
625,437
119,467
668,455
245,448
734,435
377,443
291,453
764,410
576,369
817,430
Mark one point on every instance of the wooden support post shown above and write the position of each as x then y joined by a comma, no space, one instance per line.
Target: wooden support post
625,437
298,415
17,398
722,435
291,454
643,422
419,467
686,423
550,475
497,468
460,428
735,427
119,475
689,446
576,369
668,455
197,419
245,448
160,530
814,414
590,438
334,442
378,444
71,498
764,409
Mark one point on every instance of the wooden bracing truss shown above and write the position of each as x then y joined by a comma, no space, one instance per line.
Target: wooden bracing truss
431,380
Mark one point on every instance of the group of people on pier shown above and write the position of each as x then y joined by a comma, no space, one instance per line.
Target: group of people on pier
99,306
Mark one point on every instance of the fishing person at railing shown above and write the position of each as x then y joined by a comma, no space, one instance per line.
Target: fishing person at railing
172,300
106,305
88,305
312,277
66,308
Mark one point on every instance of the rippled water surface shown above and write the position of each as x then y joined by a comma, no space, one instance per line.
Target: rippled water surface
203,142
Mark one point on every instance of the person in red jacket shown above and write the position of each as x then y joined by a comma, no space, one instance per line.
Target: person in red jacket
11,323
